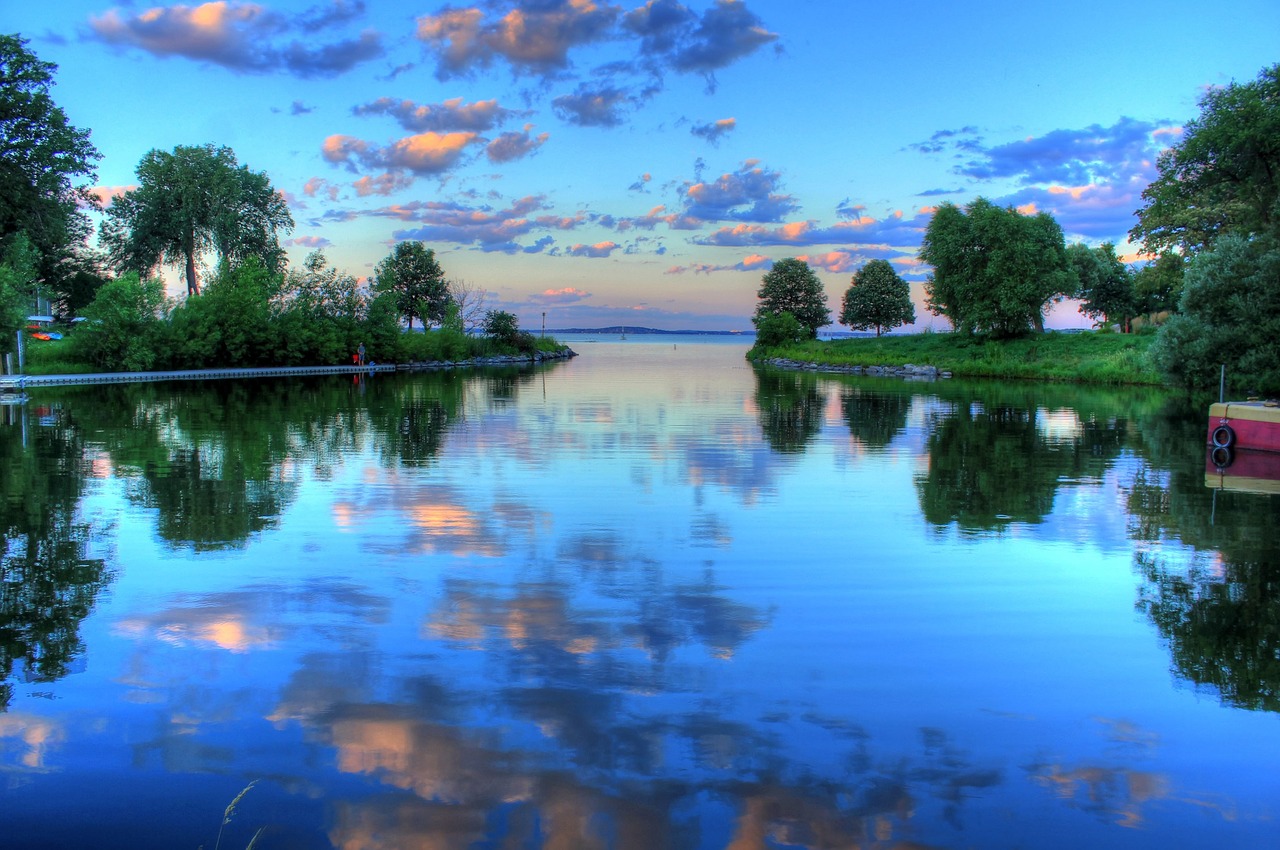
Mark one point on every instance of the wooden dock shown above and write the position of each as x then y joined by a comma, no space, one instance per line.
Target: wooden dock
18,383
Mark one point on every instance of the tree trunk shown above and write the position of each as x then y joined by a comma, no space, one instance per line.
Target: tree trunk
193,284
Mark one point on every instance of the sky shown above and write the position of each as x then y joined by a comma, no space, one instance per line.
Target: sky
644,164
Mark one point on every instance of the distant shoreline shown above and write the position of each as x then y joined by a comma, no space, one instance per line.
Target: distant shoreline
628,329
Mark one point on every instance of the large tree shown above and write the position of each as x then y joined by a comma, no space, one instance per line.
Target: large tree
1158,285
413,275
191,201
792,287
877,298
1229,315
1105,284
1223,176
994,269
41,157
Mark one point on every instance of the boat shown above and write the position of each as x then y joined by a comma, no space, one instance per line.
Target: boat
1244,446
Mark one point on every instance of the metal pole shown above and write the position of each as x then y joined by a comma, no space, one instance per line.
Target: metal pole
22,360
544,322
1222,385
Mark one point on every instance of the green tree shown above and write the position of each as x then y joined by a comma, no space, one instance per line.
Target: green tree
877,298
41,156
1158,285
775,329
413,274
1229,315
17,283
124,330
994,269
1223,176
792,287
190,202
501,325
1105,284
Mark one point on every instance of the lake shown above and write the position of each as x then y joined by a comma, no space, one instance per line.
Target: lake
647,598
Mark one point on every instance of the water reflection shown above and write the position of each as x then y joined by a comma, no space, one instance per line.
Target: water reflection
1219,610
48,584
623,607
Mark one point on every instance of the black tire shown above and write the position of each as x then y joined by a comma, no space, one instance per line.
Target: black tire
1224,437
1222,456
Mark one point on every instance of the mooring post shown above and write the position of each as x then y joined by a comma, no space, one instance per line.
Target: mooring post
1222,385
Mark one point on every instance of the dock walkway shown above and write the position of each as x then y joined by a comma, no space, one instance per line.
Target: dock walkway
17,383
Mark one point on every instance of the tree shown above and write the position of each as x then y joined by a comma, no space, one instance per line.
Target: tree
994,269
1229,315
470,301
41,154
1105,284
17,280
413,274
1158,285
792,287
1223,176
124,322
877,298
189,202
501,325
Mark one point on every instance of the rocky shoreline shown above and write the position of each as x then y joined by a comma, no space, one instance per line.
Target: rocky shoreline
492,360
910,371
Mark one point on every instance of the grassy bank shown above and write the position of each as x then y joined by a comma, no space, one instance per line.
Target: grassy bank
1097,358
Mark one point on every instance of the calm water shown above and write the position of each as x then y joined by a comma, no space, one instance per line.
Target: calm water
648,598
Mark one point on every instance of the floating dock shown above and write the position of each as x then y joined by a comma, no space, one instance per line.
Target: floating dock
19,383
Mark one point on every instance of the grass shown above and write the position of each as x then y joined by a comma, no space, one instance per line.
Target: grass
1093,357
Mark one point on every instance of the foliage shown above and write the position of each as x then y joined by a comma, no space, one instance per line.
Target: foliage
124,327
1105,284
1223,176
501,325
792,287
1157,286
1229,315
41,154
412,273
189,202
877,298
774,329
1072,357
993,268
17,279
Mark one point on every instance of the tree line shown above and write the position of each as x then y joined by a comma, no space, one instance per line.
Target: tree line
1209,227
189,203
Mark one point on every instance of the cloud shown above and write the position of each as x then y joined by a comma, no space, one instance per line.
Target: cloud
386,183
538,37
639,185
716,130
106,194
243,37
453,114
747,194
309,241
423,154
750,263
512,146
1094,154
568,295
300,108
485,227
727,32
894,232
533,36
599,250
602,106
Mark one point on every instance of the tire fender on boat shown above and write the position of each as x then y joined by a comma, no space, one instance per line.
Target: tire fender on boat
1222,456
1223,437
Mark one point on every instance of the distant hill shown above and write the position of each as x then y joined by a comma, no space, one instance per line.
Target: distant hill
618,330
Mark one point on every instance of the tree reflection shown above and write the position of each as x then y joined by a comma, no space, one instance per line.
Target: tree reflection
999,459
1219,610
875,417
47,584
790,407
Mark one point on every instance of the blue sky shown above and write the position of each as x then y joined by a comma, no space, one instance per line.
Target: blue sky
644,164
